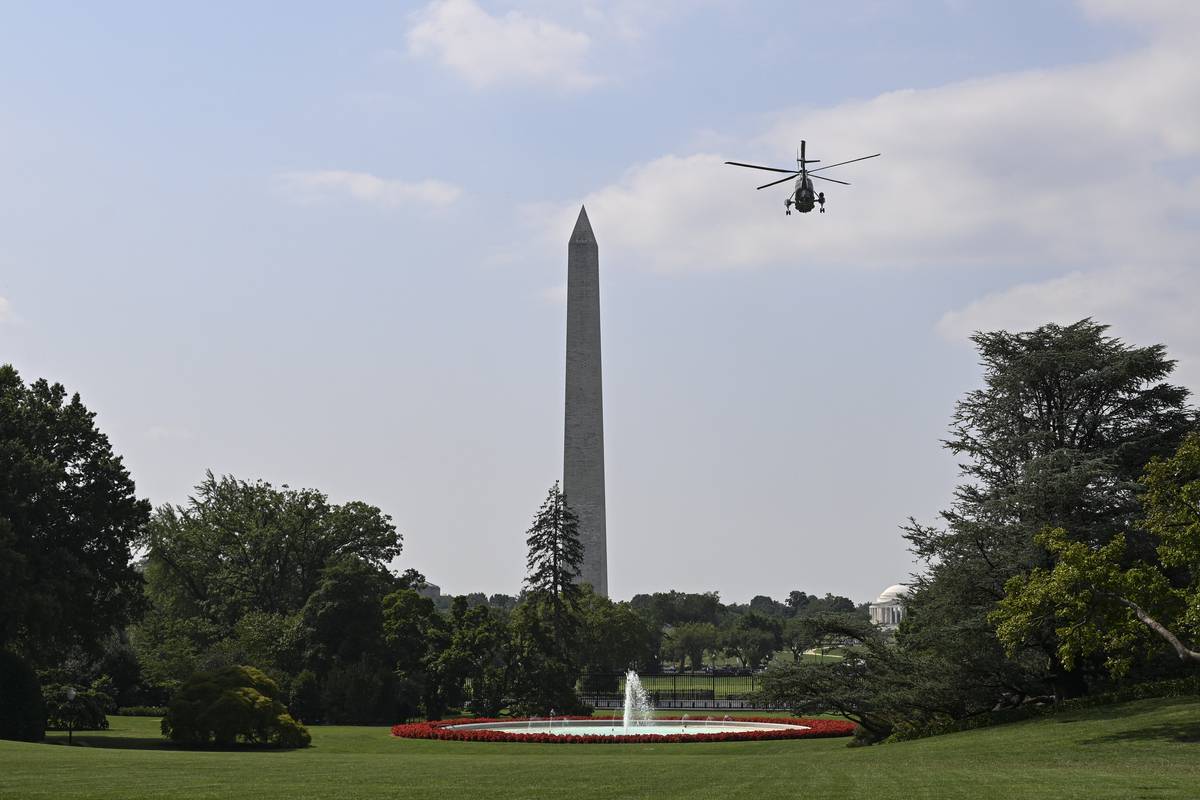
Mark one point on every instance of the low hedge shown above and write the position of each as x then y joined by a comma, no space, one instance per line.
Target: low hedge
1179,687
142,711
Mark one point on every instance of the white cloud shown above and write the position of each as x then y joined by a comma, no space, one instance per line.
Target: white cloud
310,187
1143,304
487,50
1055,167
1085,174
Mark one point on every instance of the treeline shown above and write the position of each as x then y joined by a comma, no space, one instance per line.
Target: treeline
1068,562
247,574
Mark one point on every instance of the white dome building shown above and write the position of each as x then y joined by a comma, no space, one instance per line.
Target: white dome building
888,608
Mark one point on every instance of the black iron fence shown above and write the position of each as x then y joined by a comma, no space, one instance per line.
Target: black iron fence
678,690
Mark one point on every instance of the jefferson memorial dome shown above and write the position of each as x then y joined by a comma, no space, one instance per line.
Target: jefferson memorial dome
888,608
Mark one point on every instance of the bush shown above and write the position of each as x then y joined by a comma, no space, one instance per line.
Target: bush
22,709
229,705
306,697
84,713
142,711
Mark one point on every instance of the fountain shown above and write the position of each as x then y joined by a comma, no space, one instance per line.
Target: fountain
637,702
637,720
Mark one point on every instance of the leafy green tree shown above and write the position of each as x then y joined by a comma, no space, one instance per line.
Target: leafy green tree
85,711
239,546
614,636
343,617
232,705
691,640
69,518
1114,599
545,667
750,646
676,608
800,603
415,636
1056,437
477,656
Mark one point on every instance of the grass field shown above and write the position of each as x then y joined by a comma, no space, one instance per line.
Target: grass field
1146,749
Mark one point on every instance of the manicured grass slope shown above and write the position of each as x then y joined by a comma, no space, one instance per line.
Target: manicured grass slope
1148,748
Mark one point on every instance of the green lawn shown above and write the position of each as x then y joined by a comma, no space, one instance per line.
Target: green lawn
1147,749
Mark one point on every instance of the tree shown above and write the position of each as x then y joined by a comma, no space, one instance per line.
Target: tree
750,646
676,608
343,618
555,552
691,640
1056,438
238,546
810,631
415,636
1114,599
477,656
545,664
230,574
69,518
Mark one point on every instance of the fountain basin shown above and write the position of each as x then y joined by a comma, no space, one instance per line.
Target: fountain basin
590,730
600,727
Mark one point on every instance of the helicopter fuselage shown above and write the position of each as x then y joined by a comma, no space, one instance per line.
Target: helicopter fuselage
803,197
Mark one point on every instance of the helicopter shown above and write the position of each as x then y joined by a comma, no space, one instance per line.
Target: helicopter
803,198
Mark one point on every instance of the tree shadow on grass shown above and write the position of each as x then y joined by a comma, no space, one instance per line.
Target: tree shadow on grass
1185,732
111,742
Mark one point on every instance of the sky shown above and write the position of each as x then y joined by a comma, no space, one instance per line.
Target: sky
325,246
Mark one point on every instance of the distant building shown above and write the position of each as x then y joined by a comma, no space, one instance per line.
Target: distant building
888,608
430,590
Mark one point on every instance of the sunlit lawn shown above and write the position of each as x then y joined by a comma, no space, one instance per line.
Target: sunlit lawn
1145,749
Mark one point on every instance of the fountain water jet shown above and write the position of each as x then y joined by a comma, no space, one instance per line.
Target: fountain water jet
637,702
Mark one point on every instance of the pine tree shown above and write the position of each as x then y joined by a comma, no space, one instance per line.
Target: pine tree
555,552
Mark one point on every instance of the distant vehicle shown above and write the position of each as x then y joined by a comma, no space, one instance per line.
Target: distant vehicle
803,198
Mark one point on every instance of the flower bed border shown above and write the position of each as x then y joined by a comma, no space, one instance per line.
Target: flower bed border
440,729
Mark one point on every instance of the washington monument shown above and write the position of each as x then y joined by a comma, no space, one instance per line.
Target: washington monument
583,441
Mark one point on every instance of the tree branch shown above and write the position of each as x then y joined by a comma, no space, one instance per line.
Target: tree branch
1184,653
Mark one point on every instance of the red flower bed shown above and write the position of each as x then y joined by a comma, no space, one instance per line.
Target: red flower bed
440,729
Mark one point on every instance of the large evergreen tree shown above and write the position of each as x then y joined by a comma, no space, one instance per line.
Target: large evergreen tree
1056,437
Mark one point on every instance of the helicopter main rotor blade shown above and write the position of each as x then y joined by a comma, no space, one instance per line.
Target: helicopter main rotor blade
851,161
781,180
756,166
831,180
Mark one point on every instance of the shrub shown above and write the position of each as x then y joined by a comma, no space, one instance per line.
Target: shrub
306,697
142,711
229,705
84,713
22,709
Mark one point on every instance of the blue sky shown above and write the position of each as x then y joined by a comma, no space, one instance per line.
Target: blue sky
327,248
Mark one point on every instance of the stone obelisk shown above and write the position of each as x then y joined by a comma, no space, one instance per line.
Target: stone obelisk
583,441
